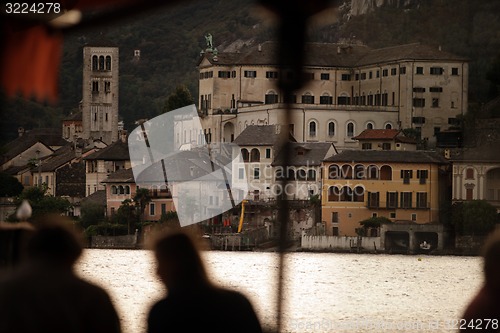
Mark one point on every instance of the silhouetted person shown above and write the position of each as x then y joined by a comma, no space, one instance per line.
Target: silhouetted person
486,304
193,303
44,294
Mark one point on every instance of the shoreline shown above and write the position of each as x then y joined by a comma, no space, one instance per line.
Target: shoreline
448,252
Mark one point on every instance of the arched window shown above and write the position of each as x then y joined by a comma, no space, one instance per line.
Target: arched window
346,194
350,129
254,155
101,63
271,97
280,173
95,63
385,172
311,174
346,171
108,63
372,171
312,128
369,125
244,154
359,171
290,174
331,128
343,99
301,174
388,126
333,193
127,189
121,189
307,98
333,172
359,194
325,99
469,173
113,189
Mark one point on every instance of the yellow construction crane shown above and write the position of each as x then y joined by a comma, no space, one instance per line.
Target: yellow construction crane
240,225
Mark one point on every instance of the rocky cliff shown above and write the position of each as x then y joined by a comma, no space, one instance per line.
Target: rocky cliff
359,7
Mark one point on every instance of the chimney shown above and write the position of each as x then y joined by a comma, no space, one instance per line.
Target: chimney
123,136
78,152
20,131
447,154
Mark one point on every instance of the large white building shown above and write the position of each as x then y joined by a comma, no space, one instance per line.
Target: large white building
350,88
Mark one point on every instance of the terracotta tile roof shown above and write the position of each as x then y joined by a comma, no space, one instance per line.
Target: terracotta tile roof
384,135
377,134
117,151
305,154
183,166
50,137
14,170
120,176
60,157
259,135
333,55
96,197
395,156
71,180
77,116
415,51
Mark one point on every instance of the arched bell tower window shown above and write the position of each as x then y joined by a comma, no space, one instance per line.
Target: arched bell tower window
108,63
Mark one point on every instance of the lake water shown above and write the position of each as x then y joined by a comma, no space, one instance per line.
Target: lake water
325,292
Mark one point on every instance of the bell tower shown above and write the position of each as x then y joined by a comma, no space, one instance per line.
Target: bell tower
100,93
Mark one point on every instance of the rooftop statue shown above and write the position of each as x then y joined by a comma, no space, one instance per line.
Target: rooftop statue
208,39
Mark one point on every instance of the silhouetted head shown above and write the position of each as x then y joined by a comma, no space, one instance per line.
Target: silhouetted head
491,254
178,261
54,242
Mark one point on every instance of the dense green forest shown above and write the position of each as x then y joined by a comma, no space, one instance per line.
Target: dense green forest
170,40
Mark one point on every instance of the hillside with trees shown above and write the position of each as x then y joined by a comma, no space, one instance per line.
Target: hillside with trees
171,38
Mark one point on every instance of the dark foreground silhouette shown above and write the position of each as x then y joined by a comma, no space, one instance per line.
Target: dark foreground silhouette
193,303
44,295
483,312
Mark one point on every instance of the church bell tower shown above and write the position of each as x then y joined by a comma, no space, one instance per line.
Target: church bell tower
100,93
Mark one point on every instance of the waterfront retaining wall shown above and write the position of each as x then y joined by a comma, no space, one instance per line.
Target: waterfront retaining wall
114,242
333,243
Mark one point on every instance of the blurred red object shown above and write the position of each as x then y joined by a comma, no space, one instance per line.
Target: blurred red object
30,61
30,53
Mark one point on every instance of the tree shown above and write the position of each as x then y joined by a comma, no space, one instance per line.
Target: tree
126,213
141,199
169,219
476,217
92,214
41,202
9,186
178,99
372,222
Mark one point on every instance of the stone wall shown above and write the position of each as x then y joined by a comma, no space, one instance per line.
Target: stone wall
469,245
343,243
114,242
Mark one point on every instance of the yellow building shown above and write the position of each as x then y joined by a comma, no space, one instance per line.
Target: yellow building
399,185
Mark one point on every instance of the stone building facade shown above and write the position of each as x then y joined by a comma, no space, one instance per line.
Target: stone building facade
100,94
350,88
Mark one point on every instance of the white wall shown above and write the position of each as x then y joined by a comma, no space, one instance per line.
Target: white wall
338,242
